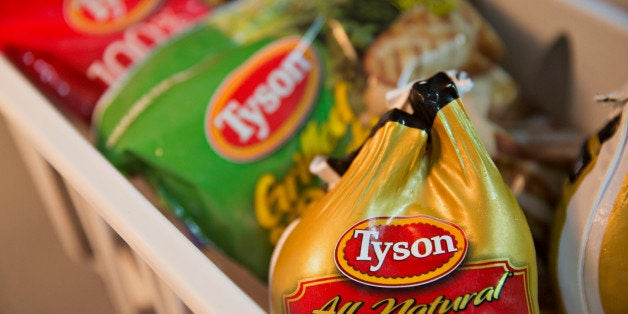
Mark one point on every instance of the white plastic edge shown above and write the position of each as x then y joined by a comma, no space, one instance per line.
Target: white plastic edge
582,232
613,180
193,277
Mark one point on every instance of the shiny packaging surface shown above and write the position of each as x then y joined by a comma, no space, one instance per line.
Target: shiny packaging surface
73,51
223,120
421,221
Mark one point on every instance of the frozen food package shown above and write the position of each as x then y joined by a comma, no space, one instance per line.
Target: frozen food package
224,130
590,232
74,50
225,119
420,221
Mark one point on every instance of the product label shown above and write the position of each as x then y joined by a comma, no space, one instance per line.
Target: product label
263,102
486,287
400,251
280,200
106,16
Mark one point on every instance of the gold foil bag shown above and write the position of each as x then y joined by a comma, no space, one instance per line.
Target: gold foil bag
419,222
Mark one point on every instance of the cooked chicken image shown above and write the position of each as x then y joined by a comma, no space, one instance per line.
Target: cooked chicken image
420,43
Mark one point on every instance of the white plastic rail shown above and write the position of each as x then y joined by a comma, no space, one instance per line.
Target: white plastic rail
202,286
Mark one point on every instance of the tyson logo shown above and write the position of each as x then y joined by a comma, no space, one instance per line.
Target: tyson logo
263,102
106,16
400,251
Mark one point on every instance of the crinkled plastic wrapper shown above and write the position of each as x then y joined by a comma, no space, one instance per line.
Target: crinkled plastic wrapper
225,130
224,120
419,221
74,50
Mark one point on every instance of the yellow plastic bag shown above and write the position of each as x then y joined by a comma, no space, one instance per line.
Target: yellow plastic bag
420,222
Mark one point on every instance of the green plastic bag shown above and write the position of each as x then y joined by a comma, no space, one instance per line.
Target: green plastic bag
225,133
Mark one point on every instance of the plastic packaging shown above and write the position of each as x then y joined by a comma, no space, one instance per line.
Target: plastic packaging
73,51
225,134
225,119
420,221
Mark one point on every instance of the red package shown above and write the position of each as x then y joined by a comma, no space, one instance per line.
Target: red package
73,50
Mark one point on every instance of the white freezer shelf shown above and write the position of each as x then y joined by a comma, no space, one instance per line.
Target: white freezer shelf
200,284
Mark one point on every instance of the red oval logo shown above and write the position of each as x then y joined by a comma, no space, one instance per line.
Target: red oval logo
99,17
400,251
263,102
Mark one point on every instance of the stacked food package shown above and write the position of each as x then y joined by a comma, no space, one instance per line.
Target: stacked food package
73,50
225,119
420,221
226,116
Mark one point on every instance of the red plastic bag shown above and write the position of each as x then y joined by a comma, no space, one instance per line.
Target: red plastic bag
73,50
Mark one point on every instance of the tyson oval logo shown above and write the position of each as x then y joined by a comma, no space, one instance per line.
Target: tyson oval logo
100,17
400,251
263,102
